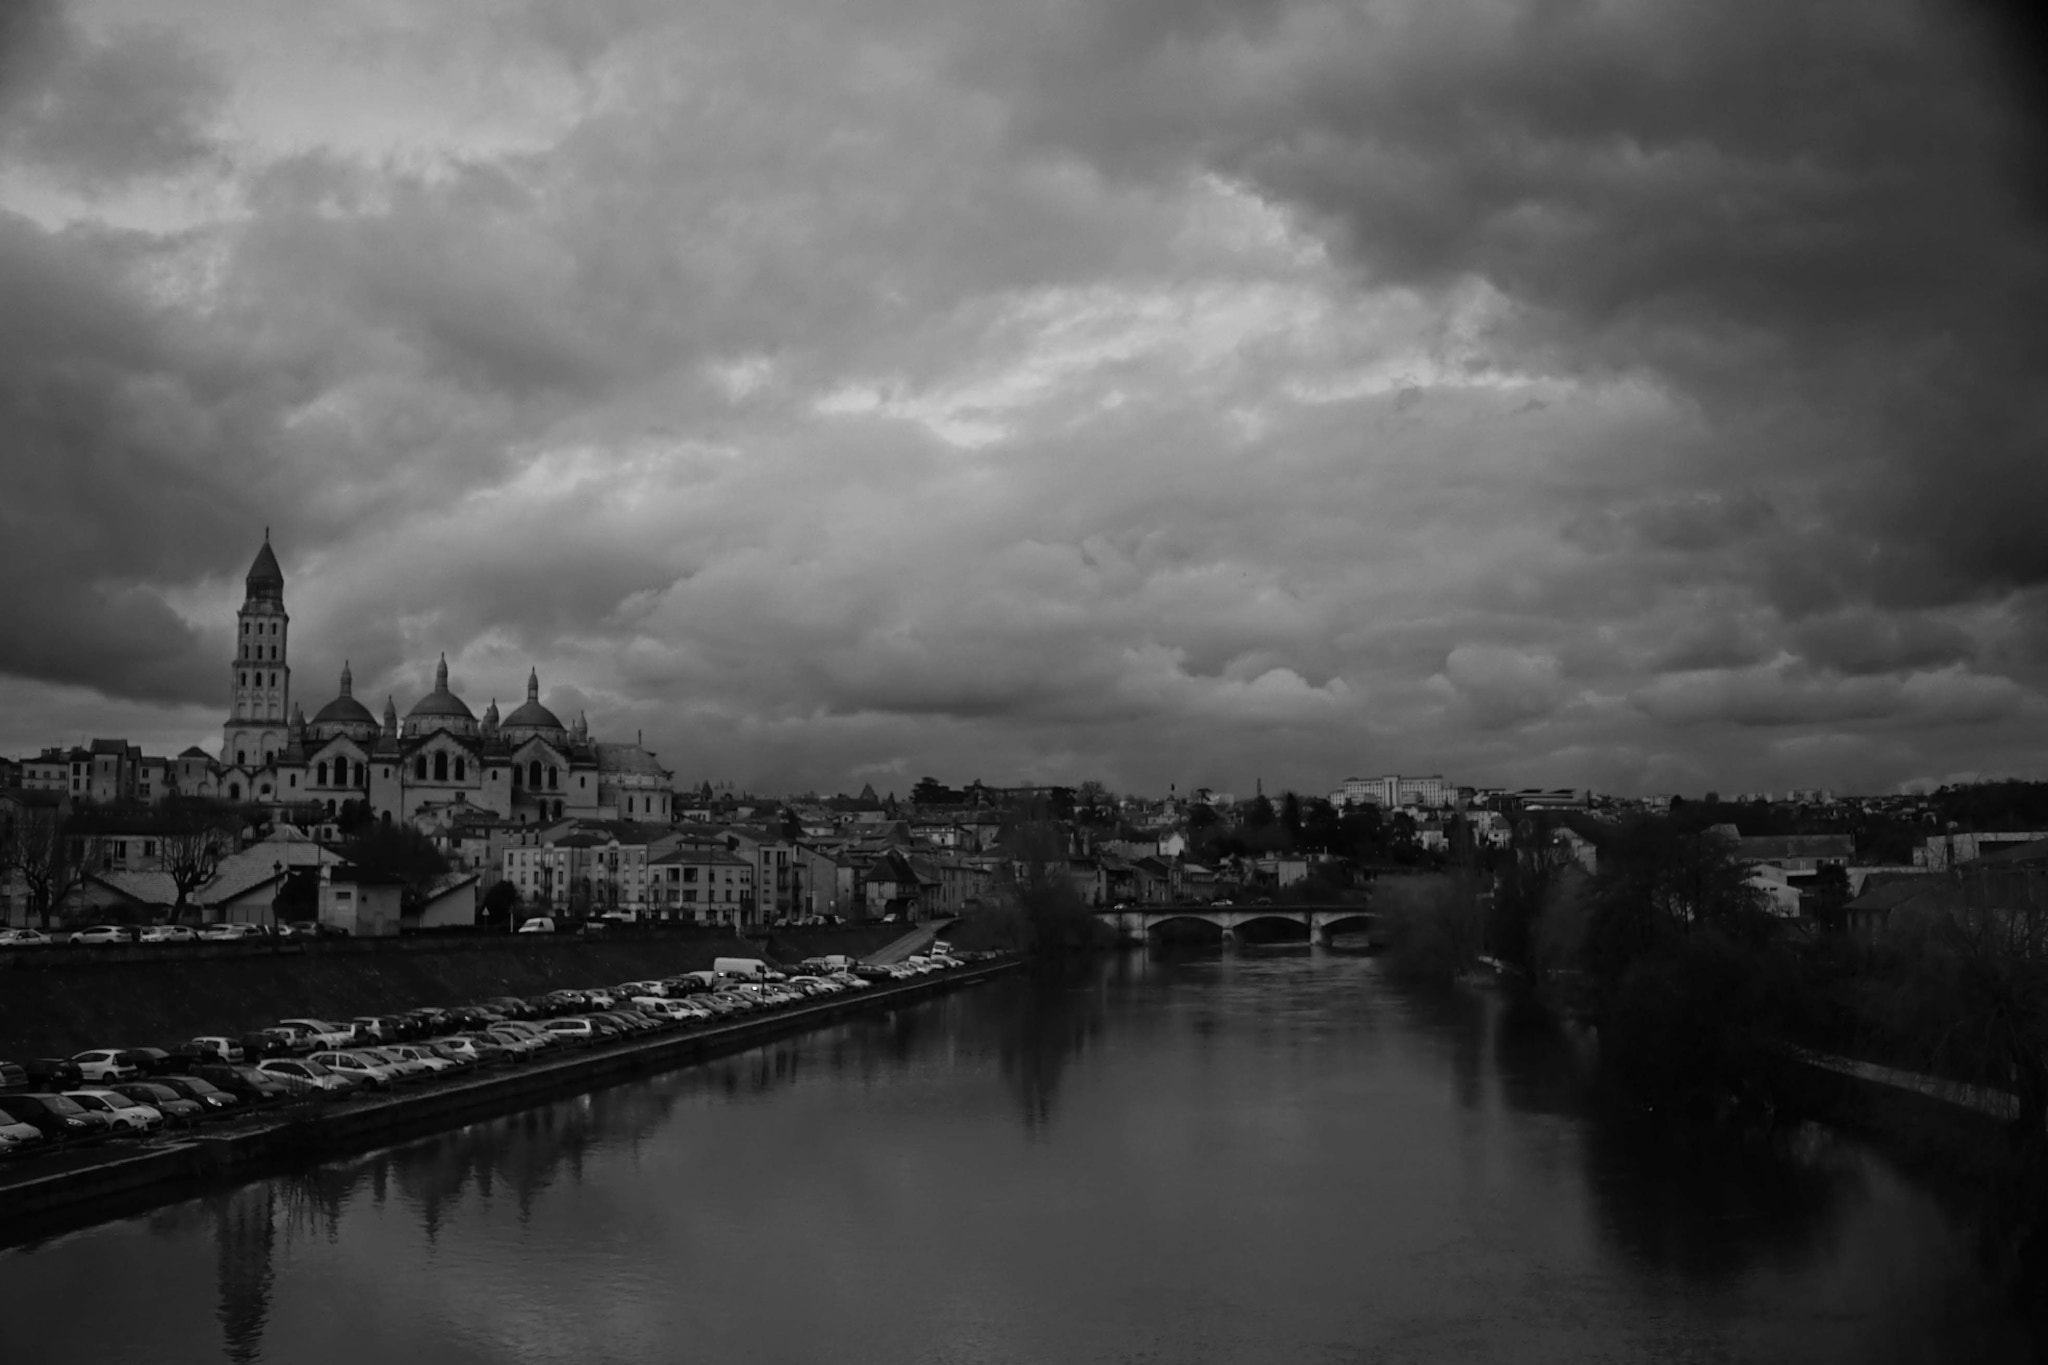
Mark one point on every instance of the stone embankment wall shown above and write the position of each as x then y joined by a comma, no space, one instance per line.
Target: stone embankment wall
60,1000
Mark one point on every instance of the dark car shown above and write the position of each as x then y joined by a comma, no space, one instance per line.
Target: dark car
174,1107
245,1083
12,1076
149,1060
54,1073
273,1042
192,1088
59,1119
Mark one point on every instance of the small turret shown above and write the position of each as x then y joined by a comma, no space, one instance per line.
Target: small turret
390,718
491,717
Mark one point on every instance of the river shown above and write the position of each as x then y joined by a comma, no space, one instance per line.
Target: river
1273,1157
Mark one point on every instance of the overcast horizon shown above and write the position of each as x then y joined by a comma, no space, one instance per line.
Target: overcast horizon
1643,396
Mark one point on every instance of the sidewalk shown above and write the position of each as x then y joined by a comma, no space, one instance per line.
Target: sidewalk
1984,1100
916,941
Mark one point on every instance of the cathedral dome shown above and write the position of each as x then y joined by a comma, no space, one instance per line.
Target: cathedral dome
441,705
531,715
344,710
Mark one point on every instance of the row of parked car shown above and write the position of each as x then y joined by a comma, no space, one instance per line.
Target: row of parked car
101,1094
163,933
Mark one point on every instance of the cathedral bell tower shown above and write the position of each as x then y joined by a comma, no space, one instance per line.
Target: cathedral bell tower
260,679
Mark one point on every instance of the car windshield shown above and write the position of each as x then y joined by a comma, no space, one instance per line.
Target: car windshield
115,1100
315,1069
197,1086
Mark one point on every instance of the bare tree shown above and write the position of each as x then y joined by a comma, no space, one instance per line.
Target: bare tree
190,857
50,859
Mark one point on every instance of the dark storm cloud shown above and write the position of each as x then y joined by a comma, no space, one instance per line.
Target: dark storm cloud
1603,393
100,109
1809,218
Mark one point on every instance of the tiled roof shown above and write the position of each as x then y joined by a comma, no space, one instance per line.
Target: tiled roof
627,758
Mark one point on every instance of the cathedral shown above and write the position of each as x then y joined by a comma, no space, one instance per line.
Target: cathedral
440,761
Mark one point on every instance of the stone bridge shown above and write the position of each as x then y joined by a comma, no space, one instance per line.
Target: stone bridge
1135,924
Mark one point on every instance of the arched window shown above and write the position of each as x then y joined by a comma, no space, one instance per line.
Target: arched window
239,760
320,774
242,678
234,791
273,677
440,767
629,805
265,790
341,772
420,767
461,769
553,773
533,774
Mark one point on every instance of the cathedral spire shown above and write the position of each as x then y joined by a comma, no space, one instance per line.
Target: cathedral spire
347,680
441,674
533,684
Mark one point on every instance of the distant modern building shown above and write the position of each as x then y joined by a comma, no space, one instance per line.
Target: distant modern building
1395,791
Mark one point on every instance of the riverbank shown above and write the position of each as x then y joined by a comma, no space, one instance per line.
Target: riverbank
37,1198
55,1002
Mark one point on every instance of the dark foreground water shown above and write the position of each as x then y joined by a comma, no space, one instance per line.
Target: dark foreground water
1262,1159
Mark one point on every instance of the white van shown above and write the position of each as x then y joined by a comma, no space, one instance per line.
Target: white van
539,924
751,968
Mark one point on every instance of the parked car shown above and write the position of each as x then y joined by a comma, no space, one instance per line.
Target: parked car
460,1051
217,1046
364,1071
577,1028
18,1138
434,1063
13,1076
52,1073
130,1114
245,1083
147,1061
103,933
408,1068
485,1048
106,1064
230,933
539,924
23,938
174,1107
304,1076
323,1033
59,1119
192,1088
274,1042
166,933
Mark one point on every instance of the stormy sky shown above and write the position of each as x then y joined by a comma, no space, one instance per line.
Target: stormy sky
1645,395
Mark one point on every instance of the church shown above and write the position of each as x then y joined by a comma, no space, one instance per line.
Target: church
440,761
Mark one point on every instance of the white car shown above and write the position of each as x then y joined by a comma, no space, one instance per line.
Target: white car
167,933
305,1077
105,1064
540,924
102,933
217,933
850,981
133,1115
23,938
324,1033
362,1070
406,1067
433,1062
219,1046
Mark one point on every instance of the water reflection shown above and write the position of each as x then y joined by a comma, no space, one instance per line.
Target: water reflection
1269,1156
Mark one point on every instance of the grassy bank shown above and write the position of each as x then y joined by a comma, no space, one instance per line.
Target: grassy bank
74,1003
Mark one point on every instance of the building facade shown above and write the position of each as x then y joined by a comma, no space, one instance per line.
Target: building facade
527,767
